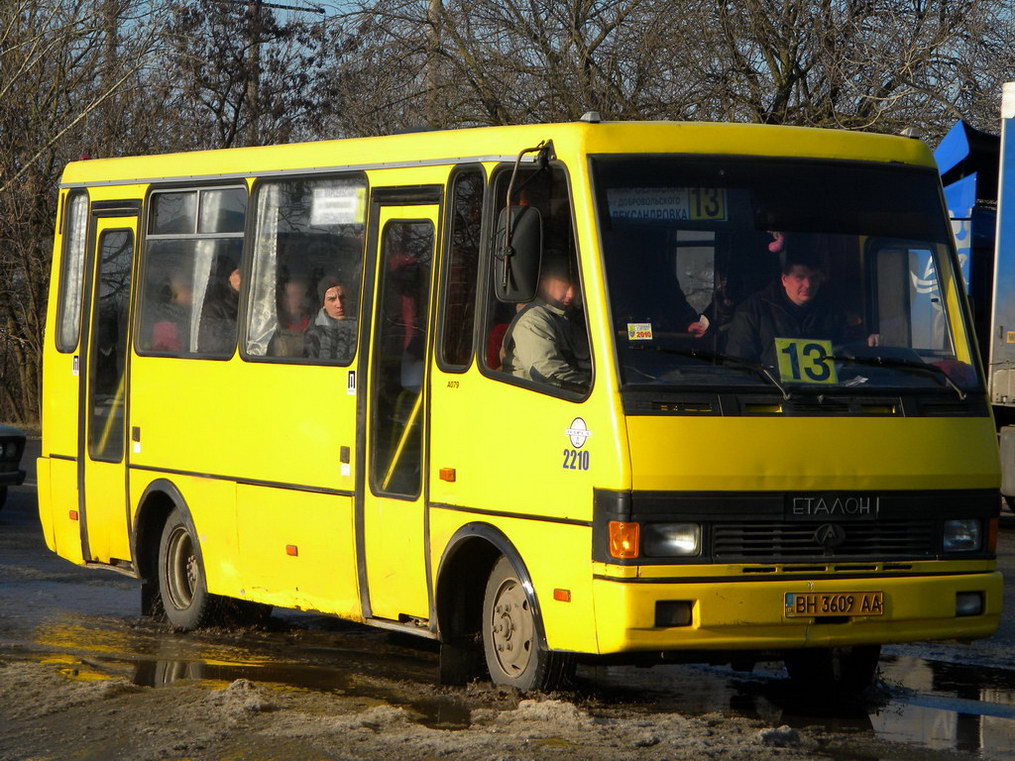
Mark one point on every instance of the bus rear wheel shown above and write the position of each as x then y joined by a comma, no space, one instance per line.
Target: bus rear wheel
842,671
511,641
182,584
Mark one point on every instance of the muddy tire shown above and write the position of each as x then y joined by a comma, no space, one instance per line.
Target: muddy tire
182,583
839,671
511,637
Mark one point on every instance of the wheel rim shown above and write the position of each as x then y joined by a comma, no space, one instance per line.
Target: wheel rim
181,569
512,628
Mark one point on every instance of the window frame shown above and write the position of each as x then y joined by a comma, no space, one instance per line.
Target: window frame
487,299
65,244
947,242
243,320
873,249
94,296
144,236
371,362
446,264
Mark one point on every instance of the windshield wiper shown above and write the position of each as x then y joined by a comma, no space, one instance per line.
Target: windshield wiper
906,364
724,359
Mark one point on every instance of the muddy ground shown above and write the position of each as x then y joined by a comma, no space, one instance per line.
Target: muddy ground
83,677
78,708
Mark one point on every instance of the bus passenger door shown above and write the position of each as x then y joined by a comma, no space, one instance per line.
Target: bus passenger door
393,519
102,444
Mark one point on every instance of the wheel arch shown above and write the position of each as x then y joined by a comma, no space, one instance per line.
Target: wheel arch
156,504
470,555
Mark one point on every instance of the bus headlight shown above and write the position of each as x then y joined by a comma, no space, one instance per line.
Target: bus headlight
661,540
965,535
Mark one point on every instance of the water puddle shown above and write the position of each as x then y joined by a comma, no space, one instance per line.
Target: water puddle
939,705
935,704
949,706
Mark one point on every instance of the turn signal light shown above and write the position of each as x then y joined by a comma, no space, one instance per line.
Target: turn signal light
624,539
992,535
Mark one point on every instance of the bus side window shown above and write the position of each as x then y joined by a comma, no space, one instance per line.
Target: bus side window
459,302
75,232
190,292
545,341
308,240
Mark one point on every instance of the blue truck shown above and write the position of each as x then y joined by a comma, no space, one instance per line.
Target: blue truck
978,174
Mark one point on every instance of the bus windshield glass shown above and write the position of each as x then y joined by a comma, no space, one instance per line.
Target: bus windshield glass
807,275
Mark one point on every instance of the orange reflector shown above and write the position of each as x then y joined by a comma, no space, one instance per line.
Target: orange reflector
448,474
292,549
562,595
624,539
992,535
73,515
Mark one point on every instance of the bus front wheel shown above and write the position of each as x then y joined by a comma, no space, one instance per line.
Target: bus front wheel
182,582
511,642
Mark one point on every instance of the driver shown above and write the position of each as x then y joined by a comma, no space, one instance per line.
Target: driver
794,306
540,344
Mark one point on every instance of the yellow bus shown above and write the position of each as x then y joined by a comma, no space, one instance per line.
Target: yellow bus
547,394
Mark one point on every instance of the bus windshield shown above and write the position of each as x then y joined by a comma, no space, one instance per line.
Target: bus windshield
802,274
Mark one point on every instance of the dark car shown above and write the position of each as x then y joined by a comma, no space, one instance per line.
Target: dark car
12,444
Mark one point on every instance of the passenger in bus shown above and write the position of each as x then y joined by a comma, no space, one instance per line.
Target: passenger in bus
332,334
793,306
293,319
171,314
542,342
217,331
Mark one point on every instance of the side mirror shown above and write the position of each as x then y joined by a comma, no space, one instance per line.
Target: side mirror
518,254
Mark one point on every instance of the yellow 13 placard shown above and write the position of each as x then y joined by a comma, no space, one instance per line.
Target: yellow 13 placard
805,360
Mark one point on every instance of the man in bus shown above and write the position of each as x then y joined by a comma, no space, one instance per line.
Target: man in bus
332,334
794,306
542,343
217,329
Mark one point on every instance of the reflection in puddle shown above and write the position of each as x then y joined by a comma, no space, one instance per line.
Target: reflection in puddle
949,706
938,705
153,658
74,668
438,712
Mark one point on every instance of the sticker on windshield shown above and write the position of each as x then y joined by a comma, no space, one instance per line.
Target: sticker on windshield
639,331
667,204
805,360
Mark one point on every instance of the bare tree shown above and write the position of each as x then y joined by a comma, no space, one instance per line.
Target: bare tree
241,75
877,65
58,72
483,62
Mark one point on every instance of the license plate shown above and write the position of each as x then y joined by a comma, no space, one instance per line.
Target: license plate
810,604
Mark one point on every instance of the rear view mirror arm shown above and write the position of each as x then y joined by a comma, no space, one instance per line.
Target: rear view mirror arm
543,149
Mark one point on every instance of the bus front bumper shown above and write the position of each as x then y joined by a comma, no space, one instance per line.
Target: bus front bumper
752,615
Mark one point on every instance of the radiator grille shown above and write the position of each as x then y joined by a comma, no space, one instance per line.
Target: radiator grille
779,540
